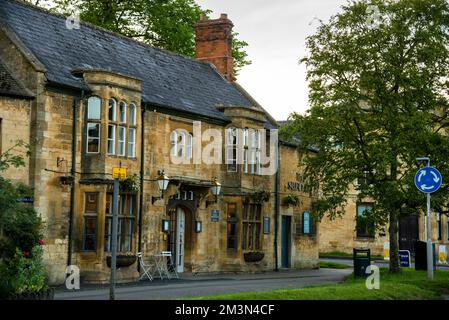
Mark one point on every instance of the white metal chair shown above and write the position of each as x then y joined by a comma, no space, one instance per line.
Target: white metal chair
145,267
170,267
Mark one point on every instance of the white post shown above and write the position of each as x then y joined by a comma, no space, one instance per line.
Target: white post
114,238
429,243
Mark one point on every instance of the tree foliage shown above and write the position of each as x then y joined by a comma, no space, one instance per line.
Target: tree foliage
378,99
166,24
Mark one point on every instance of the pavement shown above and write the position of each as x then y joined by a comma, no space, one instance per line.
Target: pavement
190,285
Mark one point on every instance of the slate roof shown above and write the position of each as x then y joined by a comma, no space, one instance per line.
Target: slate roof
10,86
168,80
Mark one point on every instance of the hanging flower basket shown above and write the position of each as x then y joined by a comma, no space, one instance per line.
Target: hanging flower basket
122,260
255,256
291,200
66,180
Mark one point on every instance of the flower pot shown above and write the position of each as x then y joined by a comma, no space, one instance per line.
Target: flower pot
253,256
122,261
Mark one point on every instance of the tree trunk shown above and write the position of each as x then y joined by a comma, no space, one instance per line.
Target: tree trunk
394,241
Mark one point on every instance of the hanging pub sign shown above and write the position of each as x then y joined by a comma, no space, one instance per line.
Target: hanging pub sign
306,222
215,216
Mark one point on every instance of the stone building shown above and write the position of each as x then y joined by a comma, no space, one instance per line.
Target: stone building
88,100
343,234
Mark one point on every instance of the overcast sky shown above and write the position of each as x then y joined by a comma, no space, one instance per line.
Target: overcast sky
275,31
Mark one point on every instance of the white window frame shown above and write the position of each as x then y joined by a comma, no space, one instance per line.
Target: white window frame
121,142
95,138
112,140
174,143
122,103
132,144
181,152
91,105
114,108
232,139
189,146
245,150
133,115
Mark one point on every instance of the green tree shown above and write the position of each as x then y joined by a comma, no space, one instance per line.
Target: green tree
378,99
167,24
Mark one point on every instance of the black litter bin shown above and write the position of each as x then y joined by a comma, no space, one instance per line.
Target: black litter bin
362,259
421,255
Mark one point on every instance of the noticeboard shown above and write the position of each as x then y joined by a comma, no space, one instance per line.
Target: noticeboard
215,216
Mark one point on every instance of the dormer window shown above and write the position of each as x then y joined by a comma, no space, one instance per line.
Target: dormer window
93,125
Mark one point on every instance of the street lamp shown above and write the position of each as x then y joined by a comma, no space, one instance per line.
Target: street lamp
162,182
216,188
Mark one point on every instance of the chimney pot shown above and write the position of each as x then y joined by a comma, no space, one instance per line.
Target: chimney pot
214,44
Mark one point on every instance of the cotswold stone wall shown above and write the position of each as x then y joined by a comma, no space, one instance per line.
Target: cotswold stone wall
339,235
14,126
304,247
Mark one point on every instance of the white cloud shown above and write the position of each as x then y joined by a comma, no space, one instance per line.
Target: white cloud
276,33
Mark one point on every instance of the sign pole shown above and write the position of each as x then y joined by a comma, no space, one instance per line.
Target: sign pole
114,237
429,243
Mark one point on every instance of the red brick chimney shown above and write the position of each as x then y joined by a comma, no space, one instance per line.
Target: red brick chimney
214,44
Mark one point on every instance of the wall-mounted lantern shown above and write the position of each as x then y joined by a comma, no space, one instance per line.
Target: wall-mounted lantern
216,188
198,226
162,182
165,225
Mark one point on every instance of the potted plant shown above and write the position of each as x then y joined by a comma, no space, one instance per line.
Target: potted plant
253,256
130,184
291,200
123,260
261,196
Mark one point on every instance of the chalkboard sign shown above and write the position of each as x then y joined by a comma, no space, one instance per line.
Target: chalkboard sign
306,222
215,217
266,225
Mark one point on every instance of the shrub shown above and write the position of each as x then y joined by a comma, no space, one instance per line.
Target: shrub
23,274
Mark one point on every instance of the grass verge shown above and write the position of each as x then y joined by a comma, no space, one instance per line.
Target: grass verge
407,285
338,254
334,265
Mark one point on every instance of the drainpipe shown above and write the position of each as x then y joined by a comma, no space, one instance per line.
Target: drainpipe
276,208
76,103
142,170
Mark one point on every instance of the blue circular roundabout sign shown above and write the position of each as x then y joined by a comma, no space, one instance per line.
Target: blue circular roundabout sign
428,179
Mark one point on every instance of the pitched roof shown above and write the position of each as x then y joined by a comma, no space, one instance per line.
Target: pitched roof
9,86
168,80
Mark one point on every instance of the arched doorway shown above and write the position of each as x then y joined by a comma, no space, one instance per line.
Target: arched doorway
180,237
